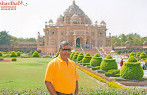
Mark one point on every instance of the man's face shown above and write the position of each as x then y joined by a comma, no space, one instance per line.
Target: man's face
65,51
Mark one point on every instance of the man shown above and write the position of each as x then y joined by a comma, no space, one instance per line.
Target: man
61,74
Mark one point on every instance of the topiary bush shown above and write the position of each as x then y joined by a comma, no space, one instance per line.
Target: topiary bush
131,69
143,55
113,73
96,55
138,54
108,63
132,54
71,55
80,57
18,53
1,53
95,61
95,68
57,54
13,59
132,59
108,56
87,58
13,54
35,54
75,56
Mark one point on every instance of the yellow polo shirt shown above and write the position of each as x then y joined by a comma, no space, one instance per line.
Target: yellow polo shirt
62,76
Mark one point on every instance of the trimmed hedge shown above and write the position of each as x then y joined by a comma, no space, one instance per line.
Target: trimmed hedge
95,68
132,59
113,73
1,54
84,64
35,54
131,70
13,54
108,56
95,61
143,55
71,55
138,54
108,64
96,55
18,53
132,54
80,57
75,56
13,59
87,58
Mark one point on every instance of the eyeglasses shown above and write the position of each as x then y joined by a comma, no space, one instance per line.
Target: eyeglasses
66,49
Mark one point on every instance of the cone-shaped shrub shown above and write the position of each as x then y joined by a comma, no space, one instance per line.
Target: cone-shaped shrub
96,60
96,55
87,58
1,53
138,54
143,55
18,53
132,54
80,57
13,54
57,54
108,63
35,54
75,56
71,55
131,69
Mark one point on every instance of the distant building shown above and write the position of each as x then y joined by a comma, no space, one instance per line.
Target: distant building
21,46
75,27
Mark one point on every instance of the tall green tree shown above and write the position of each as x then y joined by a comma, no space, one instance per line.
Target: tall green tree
4,38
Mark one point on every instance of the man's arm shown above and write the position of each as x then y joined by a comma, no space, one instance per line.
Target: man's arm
76,91
50,88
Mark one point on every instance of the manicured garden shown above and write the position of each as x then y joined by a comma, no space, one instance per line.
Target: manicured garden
25,75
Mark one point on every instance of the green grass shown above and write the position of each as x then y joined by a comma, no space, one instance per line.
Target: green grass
29,73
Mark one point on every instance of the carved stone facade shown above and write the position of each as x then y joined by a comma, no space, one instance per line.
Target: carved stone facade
75,27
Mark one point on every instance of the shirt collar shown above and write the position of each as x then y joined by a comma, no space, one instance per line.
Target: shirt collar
60,59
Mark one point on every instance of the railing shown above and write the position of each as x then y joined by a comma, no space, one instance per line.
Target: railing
82,49
99,52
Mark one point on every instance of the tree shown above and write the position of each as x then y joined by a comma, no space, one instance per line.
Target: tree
4,38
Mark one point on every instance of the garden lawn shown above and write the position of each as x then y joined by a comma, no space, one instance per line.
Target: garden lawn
29,73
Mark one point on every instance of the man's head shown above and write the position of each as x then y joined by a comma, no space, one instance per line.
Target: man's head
64,49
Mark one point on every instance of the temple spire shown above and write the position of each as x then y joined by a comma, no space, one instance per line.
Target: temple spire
73,1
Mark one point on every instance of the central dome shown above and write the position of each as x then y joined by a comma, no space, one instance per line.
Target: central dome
74,13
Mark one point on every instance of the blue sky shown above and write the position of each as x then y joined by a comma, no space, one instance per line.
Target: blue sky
121,16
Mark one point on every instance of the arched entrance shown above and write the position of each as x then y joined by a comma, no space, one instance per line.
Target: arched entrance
78,42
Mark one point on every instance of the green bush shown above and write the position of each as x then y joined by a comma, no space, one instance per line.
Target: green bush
84,64
13,59
95,68
96,55
95,61
13,54
113,73
132,54
35,54
86,59
108,64
18,53
131,70
138,54
132,59
80,57
71,55
143,55
1,54
75,56
57,54
87,54
108,56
